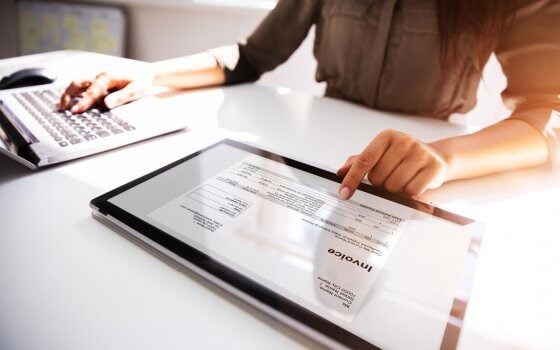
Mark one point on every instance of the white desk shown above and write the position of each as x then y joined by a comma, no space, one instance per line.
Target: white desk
68,282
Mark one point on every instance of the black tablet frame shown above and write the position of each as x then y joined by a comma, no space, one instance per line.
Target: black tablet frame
236,279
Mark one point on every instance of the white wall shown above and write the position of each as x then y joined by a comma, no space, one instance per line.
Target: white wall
157,33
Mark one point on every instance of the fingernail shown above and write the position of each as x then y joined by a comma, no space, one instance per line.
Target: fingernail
74,109
344,193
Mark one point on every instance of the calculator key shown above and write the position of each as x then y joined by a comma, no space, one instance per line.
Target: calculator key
65,127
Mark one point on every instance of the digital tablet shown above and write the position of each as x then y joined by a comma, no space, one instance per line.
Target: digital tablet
377,271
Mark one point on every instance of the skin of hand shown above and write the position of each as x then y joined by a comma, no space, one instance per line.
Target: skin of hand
397,161
188,72
113,90
401,163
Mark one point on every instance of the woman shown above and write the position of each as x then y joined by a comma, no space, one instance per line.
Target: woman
421,57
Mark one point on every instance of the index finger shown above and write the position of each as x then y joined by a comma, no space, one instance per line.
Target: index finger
94,93
74,89
362,165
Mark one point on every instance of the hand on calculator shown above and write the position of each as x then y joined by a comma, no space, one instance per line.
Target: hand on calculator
105,88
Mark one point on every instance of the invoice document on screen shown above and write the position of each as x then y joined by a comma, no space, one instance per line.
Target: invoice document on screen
262,216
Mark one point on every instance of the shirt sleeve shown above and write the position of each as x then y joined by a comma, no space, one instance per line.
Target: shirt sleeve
271,44
529,53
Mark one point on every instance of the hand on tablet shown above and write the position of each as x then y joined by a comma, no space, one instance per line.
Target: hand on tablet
114,91
397,161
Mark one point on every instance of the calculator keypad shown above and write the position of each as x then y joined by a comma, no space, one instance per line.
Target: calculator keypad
66,128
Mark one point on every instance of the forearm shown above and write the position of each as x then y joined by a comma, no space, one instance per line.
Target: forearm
199,70
508,145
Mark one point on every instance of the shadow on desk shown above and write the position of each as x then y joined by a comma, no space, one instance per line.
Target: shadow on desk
11,169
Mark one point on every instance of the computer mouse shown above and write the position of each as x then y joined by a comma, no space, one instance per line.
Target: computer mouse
27,77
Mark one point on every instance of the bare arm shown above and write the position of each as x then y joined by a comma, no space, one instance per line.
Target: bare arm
193,71
508,145
400,162
199,70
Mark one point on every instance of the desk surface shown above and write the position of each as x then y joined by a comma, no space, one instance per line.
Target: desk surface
68,282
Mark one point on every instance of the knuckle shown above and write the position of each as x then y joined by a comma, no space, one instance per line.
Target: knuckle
397,133
363,161
98,83
391,186
130,94
95,90
419,152
407,140
413,190
403,147
102,75
417,148
388,133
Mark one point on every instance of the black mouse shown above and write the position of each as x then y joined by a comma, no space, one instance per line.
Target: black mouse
27,77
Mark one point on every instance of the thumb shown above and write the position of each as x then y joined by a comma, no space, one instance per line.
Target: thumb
128,93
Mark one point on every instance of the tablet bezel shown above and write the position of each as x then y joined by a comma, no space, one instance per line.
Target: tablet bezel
237,280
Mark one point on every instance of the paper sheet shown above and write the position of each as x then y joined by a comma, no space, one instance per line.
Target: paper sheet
259,215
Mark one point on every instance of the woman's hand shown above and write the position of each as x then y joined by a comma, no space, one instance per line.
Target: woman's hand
113,91
397,161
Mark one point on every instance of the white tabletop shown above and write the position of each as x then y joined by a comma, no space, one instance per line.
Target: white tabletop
69,282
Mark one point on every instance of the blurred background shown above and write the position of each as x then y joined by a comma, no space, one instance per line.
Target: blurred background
147,30
151,30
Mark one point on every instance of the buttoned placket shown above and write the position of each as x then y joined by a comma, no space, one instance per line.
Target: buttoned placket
373,67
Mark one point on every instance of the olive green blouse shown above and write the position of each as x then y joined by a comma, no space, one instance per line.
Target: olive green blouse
386,54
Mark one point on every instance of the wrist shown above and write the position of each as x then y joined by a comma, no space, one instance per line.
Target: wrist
444,148
156,72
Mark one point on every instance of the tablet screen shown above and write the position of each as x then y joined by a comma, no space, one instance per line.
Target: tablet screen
387,272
